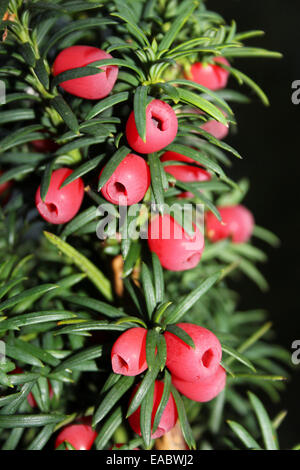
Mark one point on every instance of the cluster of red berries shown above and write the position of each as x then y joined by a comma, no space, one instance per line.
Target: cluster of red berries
196,372
130,181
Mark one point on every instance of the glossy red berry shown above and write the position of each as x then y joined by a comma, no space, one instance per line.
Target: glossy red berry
187,363
92,87
129,182
169,416
61,204
80,436
175,248
202,390
185,173
211,76
128,354
237,224
161,128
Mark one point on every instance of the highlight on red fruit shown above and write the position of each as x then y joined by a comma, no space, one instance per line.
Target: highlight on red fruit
193,364
128,354
185,173
210,75
92,87
129,182
176,249
161,128
80,436
61,204
237,224
203,390
168,418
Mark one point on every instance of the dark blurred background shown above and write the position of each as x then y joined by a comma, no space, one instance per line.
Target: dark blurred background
268,141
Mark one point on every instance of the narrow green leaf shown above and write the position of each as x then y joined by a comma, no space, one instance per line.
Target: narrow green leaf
190,97
113,163
74,73
112,397
238,356
140,103
41,73
66,113
13,439
28,54
80,357
146,416
27,294
46,178
16,115
107,103
126,14
91,326
269,434
243,435
151,341
28,421
158,276
85,24
211,94
242,78
96,305
39,442
36,351
121,63
131,258
148,289
12,407
251,52
108,428
188,301
146,383
83,169
164,400
266,236
181,334
176,26
184,423
156,180
79,221
35,318
10,285
85,265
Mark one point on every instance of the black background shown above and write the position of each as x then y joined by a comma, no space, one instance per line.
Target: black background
268,141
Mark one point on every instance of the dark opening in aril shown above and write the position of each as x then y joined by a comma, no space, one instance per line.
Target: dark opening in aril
52,208
120,188
108,72
207,358
158,123
120,362
193,258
